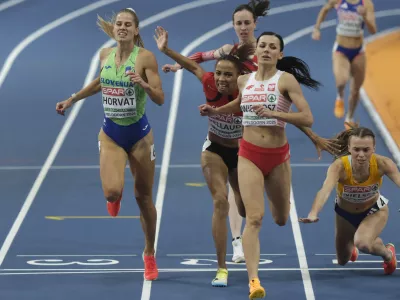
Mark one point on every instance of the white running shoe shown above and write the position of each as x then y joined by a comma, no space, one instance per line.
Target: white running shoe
238,255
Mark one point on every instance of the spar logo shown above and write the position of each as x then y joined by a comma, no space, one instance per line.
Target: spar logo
361,189
255,98
116,92
271,98
129,92
113,91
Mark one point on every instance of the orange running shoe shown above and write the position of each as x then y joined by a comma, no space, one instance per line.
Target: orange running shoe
114,207
339,108
150,267
390,266
256,290
354,254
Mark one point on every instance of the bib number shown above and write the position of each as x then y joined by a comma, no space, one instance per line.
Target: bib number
382,202
206,144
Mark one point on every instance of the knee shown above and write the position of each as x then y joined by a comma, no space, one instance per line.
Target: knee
341,261
363,246
240,208
143,191
280,221
355,92
254,220
242,211
112,194
341,82
221,205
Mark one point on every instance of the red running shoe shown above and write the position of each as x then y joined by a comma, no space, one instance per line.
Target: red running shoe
354,254
150,267
390,266
114,207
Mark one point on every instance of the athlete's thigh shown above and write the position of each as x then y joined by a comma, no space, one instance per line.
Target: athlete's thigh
251,185
277,186
341,67
372,226
142,159
344,236
215,173
358,67
112,163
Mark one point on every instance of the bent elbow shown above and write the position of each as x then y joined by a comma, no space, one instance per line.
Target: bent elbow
309,121
161,99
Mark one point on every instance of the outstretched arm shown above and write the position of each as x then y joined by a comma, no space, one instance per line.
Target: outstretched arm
94,87
332,146
91,89
161,38
200,57
332,177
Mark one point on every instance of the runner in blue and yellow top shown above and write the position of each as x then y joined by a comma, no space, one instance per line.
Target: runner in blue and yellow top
361,211
129,73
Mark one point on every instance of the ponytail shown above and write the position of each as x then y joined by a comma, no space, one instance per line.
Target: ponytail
299,69
139,42
293,65
108,26
258,8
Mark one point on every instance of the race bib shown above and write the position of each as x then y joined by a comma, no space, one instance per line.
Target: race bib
226,126
119,102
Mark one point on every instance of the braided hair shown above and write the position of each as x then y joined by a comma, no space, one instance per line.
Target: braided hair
344,138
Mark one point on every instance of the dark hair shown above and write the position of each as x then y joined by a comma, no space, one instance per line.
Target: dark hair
239,56
293,65
259,8
108,26
344,138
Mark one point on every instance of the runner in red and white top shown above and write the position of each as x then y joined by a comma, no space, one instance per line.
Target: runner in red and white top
244,20
265,99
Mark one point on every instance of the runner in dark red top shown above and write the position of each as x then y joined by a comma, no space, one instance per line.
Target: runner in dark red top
220,151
